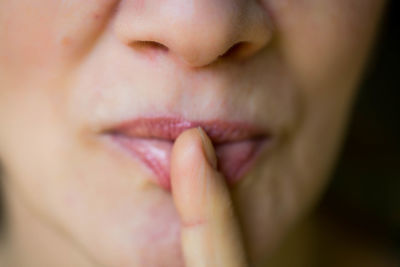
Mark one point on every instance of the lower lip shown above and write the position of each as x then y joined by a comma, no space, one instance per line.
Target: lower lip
234,159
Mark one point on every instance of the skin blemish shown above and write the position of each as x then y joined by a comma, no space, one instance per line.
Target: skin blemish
137,5
140,4
66,41
96,16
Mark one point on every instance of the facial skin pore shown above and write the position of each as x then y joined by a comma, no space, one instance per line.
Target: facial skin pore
70,69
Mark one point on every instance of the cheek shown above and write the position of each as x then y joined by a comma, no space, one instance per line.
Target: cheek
323,41
48,33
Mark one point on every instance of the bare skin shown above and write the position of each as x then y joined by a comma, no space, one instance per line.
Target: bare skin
70,70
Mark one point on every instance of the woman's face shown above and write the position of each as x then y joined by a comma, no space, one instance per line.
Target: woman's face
71,70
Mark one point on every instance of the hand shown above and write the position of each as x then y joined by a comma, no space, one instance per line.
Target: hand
210,231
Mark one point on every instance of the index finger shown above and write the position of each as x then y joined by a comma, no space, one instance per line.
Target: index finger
210,232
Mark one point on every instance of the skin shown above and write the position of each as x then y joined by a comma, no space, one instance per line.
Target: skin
70,69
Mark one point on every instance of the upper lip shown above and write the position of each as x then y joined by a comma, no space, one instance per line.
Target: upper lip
169,128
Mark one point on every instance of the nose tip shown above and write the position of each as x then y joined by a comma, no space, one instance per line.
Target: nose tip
196,32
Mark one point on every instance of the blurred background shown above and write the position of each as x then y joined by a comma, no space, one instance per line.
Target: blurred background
363,200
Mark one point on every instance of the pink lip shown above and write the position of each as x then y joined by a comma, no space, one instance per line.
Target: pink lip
237,144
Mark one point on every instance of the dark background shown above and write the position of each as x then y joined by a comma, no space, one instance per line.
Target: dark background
365,191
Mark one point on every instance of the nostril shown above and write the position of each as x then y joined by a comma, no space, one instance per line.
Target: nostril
148,47
238,50
150,44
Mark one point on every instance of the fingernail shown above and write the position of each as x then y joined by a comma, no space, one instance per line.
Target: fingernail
208,148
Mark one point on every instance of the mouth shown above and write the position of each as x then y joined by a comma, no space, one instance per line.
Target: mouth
150,140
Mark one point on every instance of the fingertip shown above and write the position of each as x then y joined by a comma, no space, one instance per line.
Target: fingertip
191,174
186,149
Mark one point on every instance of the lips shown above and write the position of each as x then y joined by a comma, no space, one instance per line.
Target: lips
150,140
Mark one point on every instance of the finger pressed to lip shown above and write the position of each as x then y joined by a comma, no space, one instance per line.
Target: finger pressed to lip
210,232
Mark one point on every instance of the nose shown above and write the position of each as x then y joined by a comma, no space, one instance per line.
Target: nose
197,32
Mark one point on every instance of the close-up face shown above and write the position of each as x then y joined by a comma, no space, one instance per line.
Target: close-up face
93,94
